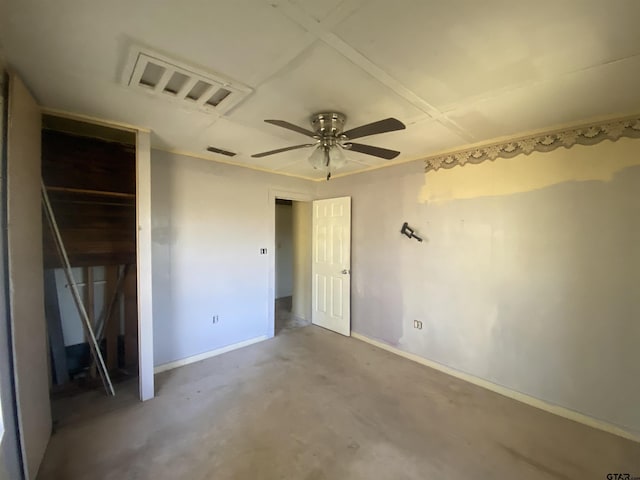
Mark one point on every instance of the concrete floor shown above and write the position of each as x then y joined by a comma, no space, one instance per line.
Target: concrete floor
311,405
284,319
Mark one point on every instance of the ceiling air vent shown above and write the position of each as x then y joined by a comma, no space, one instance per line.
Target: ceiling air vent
182,83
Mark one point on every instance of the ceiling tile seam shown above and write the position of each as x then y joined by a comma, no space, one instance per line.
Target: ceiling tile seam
605,63
299,16
396,86
294,12
358,59
283,61
310,37
344,10
474,100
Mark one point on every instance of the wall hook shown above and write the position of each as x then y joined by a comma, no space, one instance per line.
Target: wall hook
409,232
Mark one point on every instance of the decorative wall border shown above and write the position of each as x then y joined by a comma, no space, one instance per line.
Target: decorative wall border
542,142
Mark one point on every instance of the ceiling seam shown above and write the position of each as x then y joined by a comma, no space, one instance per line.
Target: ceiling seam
284,60
387,80
474,100
302,18
345,9
310,37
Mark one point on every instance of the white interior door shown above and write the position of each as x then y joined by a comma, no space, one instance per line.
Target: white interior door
331,265
26,282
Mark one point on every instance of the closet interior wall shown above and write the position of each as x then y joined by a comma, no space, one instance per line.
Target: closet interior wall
89,172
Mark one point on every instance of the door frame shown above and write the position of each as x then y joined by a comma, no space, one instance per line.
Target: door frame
143,244
10,448
295,196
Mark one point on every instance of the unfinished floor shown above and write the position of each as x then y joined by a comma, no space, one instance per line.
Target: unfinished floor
310,404
284,317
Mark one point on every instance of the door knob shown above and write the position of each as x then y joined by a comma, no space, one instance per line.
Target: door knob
346,272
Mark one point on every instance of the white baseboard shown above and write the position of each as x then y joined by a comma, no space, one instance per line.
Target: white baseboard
202,356
494,387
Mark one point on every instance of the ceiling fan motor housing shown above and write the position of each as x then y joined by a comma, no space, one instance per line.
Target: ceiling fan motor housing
328,124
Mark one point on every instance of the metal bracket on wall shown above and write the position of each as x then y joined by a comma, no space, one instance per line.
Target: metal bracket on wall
93,344
409,232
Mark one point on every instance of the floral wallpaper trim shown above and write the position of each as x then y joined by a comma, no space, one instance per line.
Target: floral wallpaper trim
545,142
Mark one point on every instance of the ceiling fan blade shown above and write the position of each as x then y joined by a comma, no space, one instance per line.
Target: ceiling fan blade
280,150
381,126
371,150
291,126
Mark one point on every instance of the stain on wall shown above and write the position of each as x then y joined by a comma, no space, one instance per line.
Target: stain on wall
526,278
531,172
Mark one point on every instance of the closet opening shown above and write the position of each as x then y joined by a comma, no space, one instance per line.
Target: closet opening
89,174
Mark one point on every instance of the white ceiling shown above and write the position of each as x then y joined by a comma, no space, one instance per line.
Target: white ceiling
455,72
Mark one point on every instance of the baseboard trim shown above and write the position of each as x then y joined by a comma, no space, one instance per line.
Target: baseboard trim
504,391
203,356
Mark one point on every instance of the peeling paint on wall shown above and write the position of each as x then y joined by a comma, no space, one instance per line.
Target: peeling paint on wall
525,277
533,172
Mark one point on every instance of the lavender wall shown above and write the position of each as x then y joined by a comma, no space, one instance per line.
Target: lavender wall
528,281
209,222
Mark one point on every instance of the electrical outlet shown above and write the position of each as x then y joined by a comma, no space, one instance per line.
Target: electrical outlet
215,319
417,324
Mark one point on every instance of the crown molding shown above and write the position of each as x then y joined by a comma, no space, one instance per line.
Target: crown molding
590,134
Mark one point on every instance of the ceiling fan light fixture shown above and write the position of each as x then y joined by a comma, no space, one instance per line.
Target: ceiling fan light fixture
327,158
317,158
338,158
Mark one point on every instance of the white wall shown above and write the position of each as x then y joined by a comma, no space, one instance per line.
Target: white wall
10,465
284,251
4,474
527,276
301,303
209,221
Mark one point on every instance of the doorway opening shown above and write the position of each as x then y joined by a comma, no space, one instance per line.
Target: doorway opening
89,173
292,286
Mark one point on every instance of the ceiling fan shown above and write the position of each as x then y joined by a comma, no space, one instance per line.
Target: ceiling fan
331,139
